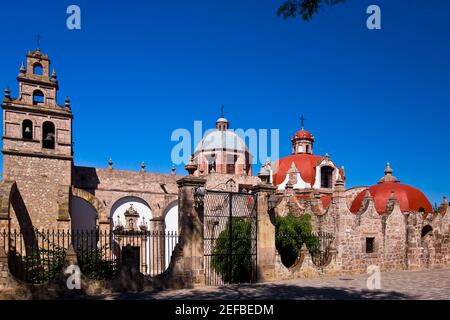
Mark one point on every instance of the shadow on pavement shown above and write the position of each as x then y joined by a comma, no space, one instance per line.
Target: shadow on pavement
258,292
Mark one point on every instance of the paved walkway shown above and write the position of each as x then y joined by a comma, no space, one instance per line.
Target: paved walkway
424,285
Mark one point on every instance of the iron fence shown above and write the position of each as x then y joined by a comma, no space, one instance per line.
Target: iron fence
320,248
36,256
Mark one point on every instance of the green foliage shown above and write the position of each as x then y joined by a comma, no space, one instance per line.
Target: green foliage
39,265
238,267
94,266
305,8
290,234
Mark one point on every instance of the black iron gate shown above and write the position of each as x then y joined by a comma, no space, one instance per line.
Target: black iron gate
320,248
230,237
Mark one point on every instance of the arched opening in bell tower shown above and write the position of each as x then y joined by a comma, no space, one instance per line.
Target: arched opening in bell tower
38,97
37,69
48,135
27,129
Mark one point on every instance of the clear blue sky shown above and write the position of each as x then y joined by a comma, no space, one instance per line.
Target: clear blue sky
137,70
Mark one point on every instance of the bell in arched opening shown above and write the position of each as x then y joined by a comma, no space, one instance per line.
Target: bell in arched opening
49,135
27,129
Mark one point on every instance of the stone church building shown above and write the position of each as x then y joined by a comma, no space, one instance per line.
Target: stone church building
390,224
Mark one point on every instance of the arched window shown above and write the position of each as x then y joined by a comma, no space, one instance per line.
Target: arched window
231,162
48,135
212,166
211,162
27,129
37,69
38,97
326,177
426,230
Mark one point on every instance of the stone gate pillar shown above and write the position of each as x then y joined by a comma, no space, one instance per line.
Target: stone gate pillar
187,265
265,250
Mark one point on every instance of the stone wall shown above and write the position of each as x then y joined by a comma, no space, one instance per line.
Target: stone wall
305,268
40,182
110,185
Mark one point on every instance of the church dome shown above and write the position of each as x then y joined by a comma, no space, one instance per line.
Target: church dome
222,119
222,151
221,140
409,198
305,163
303,134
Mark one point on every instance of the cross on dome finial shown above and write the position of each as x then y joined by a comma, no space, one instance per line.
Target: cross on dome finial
38,38
222,123
302,119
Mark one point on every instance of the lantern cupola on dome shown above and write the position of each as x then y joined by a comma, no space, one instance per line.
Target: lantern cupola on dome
302,141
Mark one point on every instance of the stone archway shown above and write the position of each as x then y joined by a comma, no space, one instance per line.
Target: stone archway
6,190
10,197
132,224
119,206
93,200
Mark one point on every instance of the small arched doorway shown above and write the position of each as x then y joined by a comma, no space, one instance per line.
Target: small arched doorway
132,233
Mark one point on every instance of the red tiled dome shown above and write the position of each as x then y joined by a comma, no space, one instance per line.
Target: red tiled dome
303,134
305,163
409,198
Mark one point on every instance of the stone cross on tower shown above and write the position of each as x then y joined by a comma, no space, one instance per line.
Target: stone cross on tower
302,119
38,38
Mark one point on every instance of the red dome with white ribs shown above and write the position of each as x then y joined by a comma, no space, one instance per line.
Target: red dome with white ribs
304,162
303,134
409,198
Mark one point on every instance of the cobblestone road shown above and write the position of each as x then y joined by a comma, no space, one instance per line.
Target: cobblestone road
424,285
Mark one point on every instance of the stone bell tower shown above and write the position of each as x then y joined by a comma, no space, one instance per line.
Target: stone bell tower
37,144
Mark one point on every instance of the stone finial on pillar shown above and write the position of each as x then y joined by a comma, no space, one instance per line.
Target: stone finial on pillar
174,170
444,200
53,78
110,164
191,167
388,177
22,70
143,166
339,186
7,94
264,175
67,102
